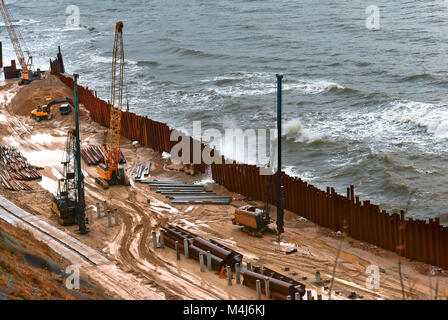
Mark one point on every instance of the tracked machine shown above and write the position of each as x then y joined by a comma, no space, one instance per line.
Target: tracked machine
109,172
44,112
69,202
255,220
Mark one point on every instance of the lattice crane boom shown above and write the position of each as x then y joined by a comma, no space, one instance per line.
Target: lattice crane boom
15,39
109,172
116,97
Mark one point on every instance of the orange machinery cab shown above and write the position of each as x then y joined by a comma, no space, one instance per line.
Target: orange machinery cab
113,177
28,76
40,113
25,75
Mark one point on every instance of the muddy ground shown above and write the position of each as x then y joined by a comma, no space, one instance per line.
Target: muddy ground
141,211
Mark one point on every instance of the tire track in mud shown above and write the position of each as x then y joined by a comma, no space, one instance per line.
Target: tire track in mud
139,264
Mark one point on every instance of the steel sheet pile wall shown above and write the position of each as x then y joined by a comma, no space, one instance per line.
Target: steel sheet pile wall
425,241
420,240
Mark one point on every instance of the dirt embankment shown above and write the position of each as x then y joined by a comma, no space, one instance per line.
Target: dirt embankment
29,269
38,93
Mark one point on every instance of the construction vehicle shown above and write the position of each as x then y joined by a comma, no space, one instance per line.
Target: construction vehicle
69,202
109,171
27,74
255,221
44,112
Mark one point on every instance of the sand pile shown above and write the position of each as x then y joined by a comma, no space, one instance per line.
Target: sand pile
37,93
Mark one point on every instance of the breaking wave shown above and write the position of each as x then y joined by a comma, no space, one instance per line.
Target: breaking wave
237,84
108,60
293,130
432,117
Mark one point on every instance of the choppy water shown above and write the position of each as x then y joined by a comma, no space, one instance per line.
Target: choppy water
361,107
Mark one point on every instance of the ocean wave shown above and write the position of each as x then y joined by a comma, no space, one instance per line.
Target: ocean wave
238,84
293,130
108,60
147,63
418,77
312,86
20,22
432,117
194,52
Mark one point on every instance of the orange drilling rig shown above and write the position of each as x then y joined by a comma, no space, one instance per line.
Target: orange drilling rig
109,172
27,74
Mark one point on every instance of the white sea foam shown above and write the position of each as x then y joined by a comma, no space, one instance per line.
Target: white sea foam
312,86
433,117
21,22
97,58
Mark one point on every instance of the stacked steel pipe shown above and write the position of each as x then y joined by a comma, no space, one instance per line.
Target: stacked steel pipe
421,240
271,274
14,166
94,155
279,289
220,254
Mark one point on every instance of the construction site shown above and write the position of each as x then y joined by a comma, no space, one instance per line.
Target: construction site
85,182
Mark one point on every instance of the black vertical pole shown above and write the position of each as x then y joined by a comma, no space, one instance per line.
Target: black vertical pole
279,156
1,55
81,205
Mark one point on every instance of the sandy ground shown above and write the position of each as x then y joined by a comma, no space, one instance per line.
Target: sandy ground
141,211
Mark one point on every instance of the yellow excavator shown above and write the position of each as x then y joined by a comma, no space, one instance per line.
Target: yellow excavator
109,172
44,112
